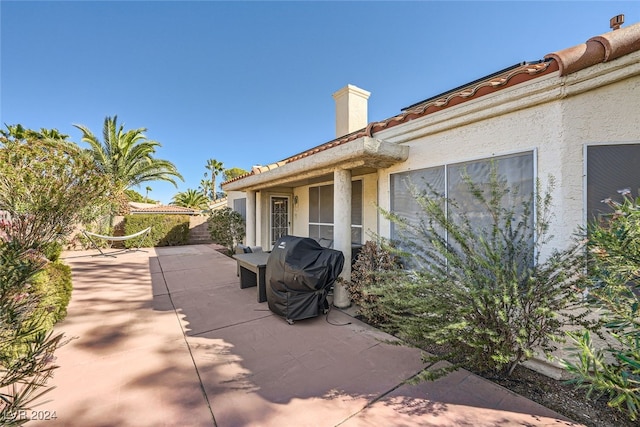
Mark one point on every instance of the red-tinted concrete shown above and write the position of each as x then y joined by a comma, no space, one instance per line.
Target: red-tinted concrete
167,337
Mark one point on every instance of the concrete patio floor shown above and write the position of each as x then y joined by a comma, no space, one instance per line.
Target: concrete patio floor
167,337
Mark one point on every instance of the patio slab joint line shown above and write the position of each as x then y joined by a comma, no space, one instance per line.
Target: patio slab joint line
184,336
231,325
383,395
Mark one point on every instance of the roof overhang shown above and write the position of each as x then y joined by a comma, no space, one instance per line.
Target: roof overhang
362,155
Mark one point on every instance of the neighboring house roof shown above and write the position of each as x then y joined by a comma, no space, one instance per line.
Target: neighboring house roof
218,204
596,50
162,209
141,205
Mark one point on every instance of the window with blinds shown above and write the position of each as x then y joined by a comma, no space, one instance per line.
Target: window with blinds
448,182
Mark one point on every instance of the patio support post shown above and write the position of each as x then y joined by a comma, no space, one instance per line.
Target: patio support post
342,231
251,218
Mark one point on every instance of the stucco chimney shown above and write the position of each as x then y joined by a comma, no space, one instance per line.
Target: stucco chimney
351,109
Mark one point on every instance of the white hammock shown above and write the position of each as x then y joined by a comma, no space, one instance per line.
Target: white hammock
89,234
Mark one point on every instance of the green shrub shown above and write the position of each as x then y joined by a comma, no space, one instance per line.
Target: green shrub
47,186
166,230
482,292
54,287
226,227
49,291
613,367
52,250
26,346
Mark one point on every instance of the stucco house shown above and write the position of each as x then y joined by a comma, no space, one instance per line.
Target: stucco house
574,114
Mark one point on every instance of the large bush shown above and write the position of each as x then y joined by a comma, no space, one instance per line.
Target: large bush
166,230
482,292
54,287
26,345
49,291
47,186
226,227
612,366
372,266
52,250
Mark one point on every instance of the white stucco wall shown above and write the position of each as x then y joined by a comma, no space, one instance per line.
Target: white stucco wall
234,195
301,211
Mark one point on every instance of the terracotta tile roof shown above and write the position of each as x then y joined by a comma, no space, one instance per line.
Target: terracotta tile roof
603,48
260,169
597,49
510,77
163,209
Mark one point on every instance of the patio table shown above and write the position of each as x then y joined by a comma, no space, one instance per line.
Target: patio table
251,269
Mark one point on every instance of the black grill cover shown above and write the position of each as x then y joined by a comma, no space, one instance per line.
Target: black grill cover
298,276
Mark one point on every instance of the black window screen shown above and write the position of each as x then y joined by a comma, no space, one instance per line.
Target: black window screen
610,168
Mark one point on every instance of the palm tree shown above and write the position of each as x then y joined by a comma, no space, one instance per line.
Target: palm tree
205,185
215,167
127,156
146,196
191,199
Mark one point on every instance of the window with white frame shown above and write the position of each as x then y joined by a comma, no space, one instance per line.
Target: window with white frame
448,181
609,169
321,212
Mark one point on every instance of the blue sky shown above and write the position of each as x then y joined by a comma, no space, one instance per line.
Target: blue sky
248,82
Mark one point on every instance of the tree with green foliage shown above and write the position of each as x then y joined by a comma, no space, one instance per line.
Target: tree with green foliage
205,187
216,168
26,349
47,187
18,132
127,157
231,173
481,292
134,196
208,187
612,366
227,228
191,199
